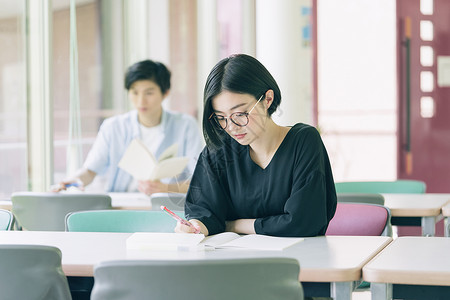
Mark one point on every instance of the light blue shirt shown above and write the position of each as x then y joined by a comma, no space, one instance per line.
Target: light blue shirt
116,133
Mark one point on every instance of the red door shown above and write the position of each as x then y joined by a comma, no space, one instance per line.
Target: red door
424,92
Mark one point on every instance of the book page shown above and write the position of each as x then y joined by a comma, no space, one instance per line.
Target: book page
138,161
169,152
169,168
220,238
261,242
163,241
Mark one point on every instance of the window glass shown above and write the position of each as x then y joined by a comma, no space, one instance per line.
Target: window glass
13,121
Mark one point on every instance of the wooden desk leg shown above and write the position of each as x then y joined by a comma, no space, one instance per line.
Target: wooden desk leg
428,226
381,291
342,290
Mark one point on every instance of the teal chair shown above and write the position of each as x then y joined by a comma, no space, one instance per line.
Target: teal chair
32,272
6,219
223,279
386,187
121,221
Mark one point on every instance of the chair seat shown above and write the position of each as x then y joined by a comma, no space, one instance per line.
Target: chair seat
252,278
359,219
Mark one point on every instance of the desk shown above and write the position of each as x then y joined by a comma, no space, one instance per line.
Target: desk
129,201
422,262
446,213
334,259
427,207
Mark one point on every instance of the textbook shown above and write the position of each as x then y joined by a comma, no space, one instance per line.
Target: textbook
249,241
142,165
186,241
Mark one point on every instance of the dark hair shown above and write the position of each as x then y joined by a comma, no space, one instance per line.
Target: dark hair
148,70
239,73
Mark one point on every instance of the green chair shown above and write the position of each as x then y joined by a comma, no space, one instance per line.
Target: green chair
386,187
6,219
219,279
47,211
121,221
32,272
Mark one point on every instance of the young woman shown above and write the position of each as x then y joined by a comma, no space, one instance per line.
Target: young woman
255,176
148,84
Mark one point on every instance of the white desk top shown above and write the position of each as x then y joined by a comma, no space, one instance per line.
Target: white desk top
416,205
412,260
129,201
322,259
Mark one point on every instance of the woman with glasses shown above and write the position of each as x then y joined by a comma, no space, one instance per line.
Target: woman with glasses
255,176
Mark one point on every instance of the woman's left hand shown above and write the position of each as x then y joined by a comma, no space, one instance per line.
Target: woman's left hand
149,187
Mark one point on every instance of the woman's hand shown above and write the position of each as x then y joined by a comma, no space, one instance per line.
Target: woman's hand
149,187
197,227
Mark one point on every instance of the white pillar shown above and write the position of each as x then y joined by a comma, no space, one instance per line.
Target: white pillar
39,98
208,51
136,31
280,46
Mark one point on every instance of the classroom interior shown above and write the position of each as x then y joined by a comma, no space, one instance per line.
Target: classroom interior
373,76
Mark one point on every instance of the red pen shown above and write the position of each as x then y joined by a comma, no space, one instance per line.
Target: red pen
178,218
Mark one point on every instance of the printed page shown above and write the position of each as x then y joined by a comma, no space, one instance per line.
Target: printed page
169,168
169,152
220,238
261,242
138,161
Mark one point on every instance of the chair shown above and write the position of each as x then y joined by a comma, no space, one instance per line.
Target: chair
386,187
121,221
225,279
47,211
173,201
32,272
6,219
360,198
360,219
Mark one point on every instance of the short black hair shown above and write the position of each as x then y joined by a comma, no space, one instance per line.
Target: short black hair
148,70
239,73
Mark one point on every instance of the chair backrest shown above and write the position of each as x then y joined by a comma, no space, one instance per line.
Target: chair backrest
121,221
360,219
388,187
47,211
251,278
6,219
360,198
173,201
32,272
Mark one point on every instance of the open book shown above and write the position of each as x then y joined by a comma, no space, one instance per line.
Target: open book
142,165
185,241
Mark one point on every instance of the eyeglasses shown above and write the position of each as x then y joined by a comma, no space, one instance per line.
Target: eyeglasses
238,118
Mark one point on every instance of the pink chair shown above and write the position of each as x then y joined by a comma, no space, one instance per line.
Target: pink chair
360,219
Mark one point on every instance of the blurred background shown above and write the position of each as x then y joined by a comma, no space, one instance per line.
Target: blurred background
372,75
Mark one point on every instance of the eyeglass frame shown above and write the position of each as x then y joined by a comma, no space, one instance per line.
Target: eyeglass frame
238,112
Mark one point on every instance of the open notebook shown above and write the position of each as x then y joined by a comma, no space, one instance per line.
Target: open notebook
181,241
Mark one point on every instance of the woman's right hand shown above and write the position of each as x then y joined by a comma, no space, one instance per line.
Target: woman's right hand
197,227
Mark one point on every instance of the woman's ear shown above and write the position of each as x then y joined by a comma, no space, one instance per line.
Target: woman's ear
268,99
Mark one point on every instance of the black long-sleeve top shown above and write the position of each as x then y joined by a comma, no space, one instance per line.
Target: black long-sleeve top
293,196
